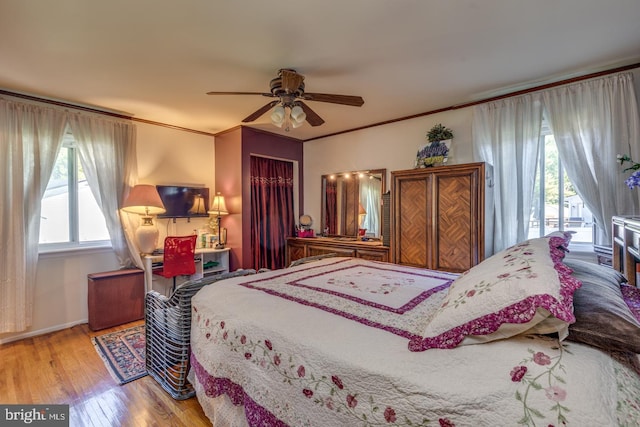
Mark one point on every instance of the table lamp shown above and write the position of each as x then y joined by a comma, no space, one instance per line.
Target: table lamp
218,208
144,200
198,205
362,213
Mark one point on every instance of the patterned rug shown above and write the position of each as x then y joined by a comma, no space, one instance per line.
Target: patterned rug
123,353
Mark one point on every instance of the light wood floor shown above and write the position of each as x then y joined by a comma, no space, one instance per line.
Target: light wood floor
63,368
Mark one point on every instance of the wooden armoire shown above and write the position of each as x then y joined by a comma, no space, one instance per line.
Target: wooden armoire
438,216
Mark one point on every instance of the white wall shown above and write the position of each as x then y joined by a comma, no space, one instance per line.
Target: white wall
393,147
165,156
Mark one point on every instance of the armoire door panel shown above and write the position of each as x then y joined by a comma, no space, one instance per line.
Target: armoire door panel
412,239
455,230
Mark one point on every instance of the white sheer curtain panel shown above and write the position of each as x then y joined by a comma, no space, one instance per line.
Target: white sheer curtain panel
370,199
30,137
593,121
107,152
506,134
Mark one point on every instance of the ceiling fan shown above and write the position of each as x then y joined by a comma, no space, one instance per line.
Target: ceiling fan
290,109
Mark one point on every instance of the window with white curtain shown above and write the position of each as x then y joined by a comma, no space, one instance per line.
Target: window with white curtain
557,205
70,214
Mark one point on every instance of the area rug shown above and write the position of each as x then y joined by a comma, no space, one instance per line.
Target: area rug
123,353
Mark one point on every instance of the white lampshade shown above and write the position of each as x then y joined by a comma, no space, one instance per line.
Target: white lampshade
144,199
278,115
198,205
218,206
298,115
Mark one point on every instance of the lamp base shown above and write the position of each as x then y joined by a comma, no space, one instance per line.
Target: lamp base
147,236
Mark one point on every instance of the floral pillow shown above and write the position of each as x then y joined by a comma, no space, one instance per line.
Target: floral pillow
525,288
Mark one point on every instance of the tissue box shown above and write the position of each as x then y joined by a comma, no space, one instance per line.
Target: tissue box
306,233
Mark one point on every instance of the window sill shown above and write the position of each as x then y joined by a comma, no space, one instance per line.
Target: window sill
52,251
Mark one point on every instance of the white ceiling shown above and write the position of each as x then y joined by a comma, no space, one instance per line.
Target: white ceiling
156,59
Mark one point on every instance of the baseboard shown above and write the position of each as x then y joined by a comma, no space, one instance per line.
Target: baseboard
30,334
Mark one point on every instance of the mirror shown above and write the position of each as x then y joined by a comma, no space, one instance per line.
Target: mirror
352,203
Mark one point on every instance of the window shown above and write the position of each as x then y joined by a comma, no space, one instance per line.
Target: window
556,204
70,215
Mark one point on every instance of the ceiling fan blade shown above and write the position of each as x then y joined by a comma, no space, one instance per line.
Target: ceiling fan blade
355,101
312,117
241,93
291,80
260,112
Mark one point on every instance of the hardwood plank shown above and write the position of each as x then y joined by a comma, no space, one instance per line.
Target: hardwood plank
63,367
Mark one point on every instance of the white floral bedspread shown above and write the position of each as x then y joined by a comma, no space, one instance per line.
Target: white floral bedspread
303,347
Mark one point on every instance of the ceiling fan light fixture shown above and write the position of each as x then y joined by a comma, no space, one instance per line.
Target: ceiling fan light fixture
278,115
289,90
298,115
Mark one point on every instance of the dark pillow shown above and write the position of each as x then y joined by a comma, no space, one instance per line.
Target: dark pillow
603,319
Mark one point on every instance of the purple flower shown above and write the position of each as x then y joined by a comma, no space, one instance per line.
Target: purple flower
301,372
221,324
633,180
247,355
329,403
390,415
352,402
276,360
307,392
555,393
337,381
444,422
517,373
268,344
541,359
243,339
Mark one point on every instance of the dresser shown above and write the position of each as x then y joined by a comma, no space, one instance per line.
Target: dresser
438,216
298,247
626,246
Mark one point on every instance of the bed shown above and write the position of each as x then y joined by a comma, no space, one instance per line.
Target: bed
345,341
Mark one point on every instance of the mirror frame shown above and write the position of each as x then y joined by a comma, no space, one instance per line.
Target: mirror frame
323,215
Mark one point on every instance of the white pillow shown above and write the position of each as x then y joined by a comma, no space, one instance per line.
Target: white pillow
525,288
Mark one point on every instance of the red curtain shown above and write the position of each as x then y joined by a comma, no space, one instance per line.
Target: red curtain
330,208
272,214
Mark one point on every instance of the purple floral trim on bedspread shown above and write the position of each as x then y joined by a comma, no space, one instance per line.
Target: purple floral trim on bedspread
521,312
215,387
328,391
